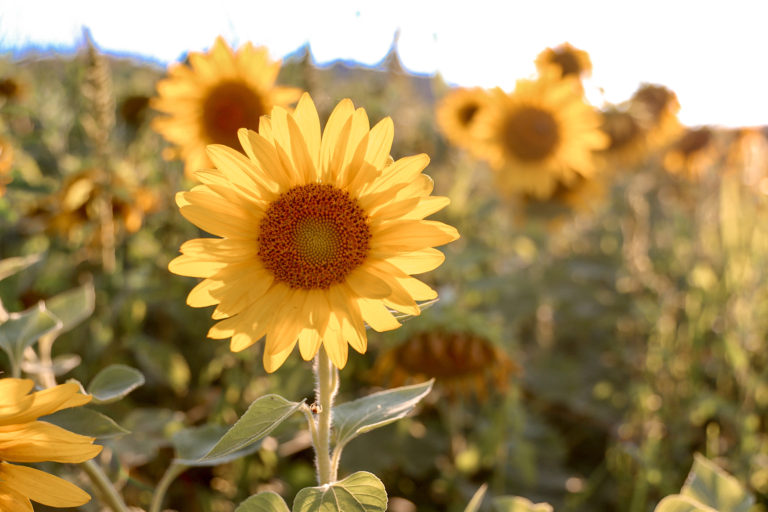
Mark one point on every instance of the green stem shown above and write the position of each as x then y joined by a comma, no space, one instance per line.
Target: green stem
170,475
108,493
327,384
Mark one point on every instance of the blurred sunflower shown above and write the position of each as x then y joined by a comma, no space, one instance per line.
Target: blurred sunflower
627,145
692,153
219,92
6,162
748,156
570,61
74,208
541,134
319,234
11,89
461,362
456,113
655,108
24,439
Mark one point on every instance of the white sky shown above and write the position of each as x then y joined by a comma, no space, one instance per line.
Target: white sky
713,54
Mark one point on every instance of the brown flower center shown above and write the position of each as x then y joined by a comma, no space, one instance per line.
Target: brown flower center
229,107
568,62
622,129
530,134
313,236
466,113
694,140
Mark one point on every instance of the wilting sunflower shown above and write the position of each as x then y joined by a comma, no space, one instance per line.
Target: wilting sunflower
541,134
692,154
568,60
655,108
219,92
456,113
24,439
319,234
461,362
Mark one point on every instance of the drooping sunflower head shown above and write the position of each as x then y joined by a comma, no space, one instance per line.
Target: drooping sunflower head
692,153
655,107
462,362
570,61
457,112
628,139
320,233
539,135
219,92
24,439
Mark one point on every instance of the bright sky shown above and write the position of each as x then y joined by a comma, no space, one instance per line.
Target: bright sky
711,53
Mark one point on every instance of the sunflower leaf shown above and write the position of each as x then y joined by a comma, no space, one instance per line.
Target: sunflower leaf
519,504
192,443
114,382
86,422
263,415
25,328
707,488
267,501
72,306
11,266
376,410
359,492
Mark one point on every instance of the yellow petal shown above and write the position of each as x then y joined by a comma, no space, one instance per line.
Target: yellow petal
416,262
38,441
41,487
309,342
309,122
411,235
367,284
377,315
13,501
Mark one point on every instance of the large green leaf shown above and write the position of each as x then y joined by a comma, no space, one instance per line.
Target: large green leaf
359,492
710,485
680,503
519,504
267,501
87,422
10,266
376,410
262,416
25,328
72,306
114,382
193,443
477,499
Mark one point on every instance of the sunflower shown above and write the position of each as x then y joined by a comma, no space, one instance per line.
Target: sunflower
218,93
24,439
461,362
692,154
628,144
569,61
6,162
541,134
319,234
456,112
655,108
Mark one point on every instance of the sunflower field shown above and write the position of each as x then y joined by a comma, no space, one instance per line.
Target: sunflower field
550,304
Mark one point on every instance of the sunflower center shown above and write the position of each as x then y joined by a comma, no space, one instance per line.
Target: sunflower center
229,107
622,129
467,112
313,236
568,62
531,134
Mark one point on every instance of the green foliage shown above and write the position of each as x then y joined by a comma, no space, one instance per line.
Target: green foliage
267,501
72,306
21,330
192,444
376,410
87,422
262,417
114,382
359,492
519,504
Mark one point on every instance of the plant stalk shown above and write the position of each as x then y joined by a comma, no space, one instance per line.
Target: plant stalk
109,494
169,476
327,385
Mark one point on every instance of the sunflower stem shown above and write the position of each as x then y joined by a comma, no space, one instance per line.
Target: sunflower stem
108,493
327,385
169,476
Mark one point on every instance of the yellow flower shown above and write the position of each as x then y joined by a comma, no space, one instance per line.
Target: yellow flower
541,134
692,154
456,112
24,439
568,60
628,144
655,107
319,234
217,94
